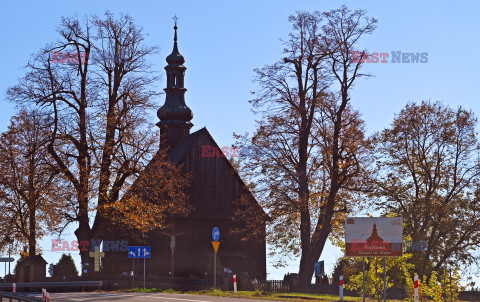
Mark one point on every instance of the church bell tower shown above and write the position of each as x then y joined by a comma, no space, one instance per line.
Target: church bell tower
174,115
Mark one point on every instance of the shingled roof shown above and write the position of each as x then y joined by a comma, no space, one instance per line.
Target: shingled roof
179,152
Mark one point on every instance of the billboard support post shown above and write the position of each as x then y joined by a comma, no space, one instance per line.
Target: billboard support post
363,279
384,279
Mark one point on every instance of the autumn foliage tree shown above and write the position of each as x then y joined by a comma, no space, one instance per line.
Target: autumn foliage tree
99,100
157,195
30,203
427,171
310,141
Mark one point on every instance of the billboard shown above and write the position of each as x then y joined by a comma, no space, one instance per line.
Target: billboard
373,237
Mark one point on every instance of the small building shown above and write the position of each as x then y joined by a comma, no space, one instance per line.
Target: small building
32,269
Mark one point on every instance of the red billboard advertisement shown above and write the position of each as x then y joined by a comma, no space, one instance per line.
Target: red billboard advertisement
373,237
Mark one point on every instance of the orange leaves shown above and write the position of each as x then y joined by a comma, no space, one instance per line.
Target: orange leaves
29,184
157,195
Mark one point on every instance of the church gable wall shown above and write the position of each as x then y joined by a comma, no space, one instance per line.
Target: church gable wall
214,184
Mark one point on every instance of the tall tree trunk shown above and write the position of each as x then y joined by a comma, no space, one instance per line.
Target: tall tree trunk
31,205
83,234
32,241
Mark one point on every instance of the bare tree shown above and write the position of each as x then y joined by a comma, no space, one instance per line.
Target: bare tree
310,141
99,102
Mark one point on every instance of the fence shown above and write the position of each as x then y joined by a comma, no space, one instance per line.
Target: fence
272,286
278,286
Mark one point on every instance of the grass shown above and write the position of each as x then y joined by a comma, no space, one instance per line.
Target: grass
295,297
152,290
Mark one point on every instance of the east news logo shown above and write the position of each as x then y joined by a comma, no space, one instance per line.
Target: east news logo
384,57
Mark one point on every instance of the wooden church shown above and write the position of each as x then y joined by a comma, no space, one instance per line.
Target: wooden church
214,188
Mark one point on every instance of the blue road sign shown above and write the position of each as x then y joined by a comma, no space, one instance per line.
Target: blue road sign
216,234
138,252
319,268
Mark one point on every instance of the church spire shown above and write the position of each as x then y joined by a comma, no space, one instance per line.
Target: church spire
174,115
175,57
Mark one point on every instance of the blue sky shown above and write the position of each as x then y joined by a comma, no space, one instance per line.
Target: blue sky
223,41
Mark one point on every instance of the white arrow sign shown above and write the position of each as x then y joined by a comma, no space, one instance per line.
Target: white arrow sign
139,252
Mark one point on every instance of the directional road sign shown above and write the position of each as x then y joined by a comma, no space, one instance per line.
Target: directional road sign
216,234
138,252
4,259
319,268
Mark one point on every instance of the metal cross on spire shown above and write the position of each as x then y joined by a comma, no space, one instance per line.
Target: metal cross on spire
175,19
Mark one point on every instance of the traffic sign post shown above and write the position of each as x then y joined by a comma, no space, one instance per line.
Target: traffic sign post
141,252
216,244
